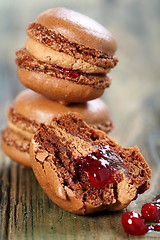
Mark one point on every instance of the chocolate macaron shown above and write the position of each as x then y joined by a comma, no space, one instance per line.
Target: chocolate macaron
67,56
82,170
30,109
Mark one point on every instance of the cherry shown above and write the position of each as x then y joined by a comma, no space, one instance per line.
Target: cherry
100,166
134,224
150,212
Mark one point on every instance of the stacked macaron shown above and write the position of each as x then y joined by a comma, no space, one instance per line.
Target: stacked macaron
30,109
58,126
66,57
65,61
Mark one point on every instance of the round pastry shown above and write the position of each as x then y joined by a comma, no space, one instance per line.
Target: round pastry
67,56
30,109
82,170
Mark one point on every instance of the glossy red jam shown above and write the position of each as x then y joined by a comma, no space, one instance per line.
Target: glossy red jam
154,228
70,72
100,166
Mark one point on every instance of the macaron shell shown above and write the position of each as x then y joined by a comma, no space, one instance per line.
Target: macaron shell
52,185
15,154
126,192
58,89
78,28
42,110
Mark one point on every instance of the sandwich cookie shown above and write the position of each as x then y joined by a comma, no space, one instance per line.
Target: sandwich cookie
67,56
30,109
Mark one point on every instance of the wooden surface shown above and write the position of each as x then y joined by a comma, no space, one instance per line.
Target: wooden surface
134,102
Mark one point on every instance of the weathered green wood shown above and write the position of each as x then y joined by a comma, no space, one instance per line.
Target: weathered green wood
133,99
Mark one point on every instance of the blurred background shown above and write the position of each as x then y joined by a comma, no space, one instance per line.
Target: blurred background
135,24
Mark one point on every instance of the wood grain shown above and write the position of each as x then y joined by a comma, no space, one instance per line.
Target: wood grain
133,99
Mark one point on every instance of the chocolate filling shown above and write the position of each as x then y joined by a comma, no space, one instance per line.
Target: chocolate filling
68,139
15,140
30,63
32,126
22,122
59,43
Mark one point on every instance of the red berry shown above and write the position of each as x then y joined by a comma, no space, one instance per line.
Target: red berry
150,212
134,224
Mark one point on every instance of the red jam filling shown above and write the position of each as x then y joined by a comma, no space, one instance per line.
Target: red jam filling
100,166
70,72
135,224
